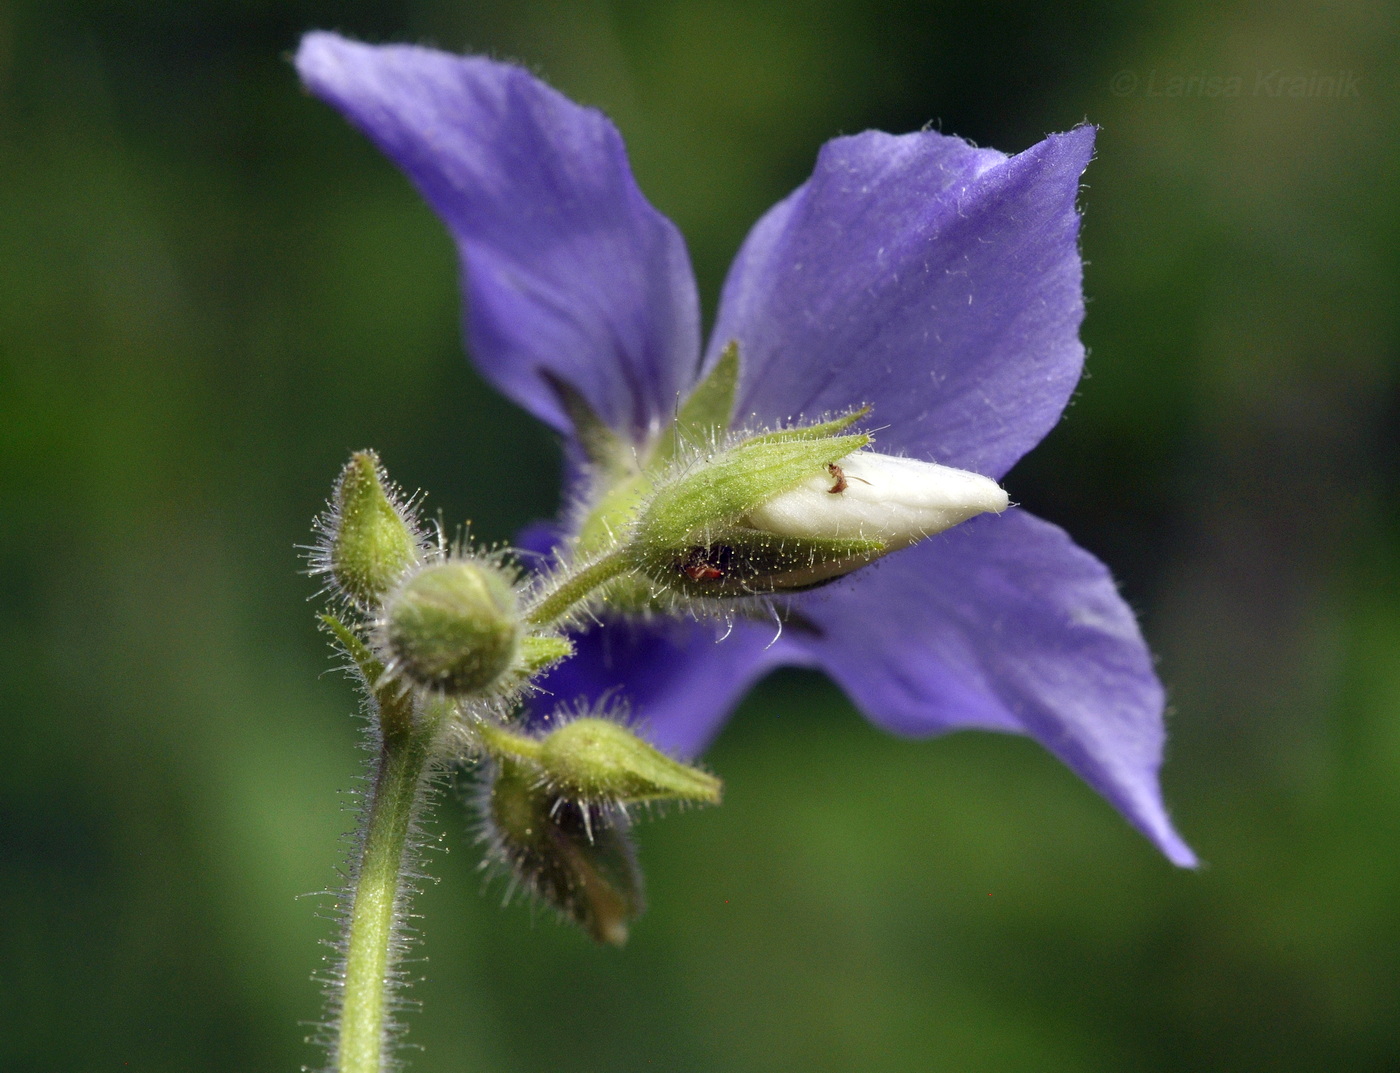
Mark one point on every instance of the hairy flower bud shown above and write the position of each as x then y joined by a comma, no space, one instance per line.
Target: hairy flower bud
693,538
597,759
368,539
576,857
453,626
592,758
718,491
796,509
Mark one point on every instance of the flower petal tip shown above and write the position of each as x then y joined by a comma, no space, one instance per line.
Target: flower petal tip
567,268
1182,856
318,54
1174,848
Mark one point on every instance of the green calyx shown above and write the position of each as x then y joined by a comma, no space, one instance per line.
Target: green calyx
454,626
598,760
601,760
576,857
719,491
625,476
556,814
370,541
692,538
741,561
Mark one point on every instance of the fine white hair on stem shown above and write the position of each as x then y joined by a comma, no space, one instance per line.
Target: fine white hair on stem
411,876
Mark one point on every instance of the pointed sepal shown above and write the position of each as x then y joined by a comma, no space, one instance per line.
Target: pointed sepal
577,858
603,447
590,758
705,416
369,536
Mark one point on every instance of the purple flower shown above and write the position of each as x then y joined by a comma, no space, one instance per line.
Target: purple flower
938,282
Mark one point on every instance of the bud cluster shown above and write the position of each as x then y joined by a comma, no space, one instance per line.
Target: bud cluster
439,630
699,516
443,621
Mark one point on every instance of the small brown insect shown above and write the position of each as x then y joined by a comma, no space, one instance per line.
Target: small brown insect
840,476
700,568
842,481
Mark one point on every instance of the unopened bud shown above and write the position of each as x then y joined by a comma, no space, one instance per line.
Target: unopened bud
369,540
835,518
453,626
692,536
717,492
576,857
596,759
869,496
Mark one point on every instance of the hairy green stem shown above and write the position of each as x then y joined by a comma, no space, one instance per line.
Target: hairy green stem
364,1033
406,748
502,743
576,587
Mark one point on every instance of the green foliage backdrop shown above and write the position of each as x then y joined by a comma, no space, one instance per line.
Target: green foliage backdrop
211,289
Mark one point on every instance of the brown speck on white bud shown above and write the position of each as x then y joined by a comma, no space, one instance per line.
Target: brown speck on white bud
866,495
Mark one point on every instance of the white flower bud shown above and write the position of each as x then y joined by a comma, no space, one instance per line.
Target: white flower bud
870,496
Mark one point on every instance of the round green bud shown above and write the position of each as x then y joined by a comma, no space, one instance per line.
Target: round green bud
453,626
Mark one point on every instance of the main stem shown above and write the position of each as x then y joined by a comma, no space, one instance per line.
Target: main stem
369,957
406,744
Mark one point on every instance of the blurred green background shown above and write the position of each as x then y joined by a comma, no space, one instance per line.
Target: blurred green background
211,289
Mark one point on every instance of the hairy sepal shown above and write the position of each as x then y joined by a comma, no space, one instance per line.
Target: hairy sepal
716,492
575,857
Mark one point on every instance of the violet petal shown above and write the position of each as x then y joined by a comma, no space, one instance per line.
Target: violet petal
938,282
679,679
566,266
1004,623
